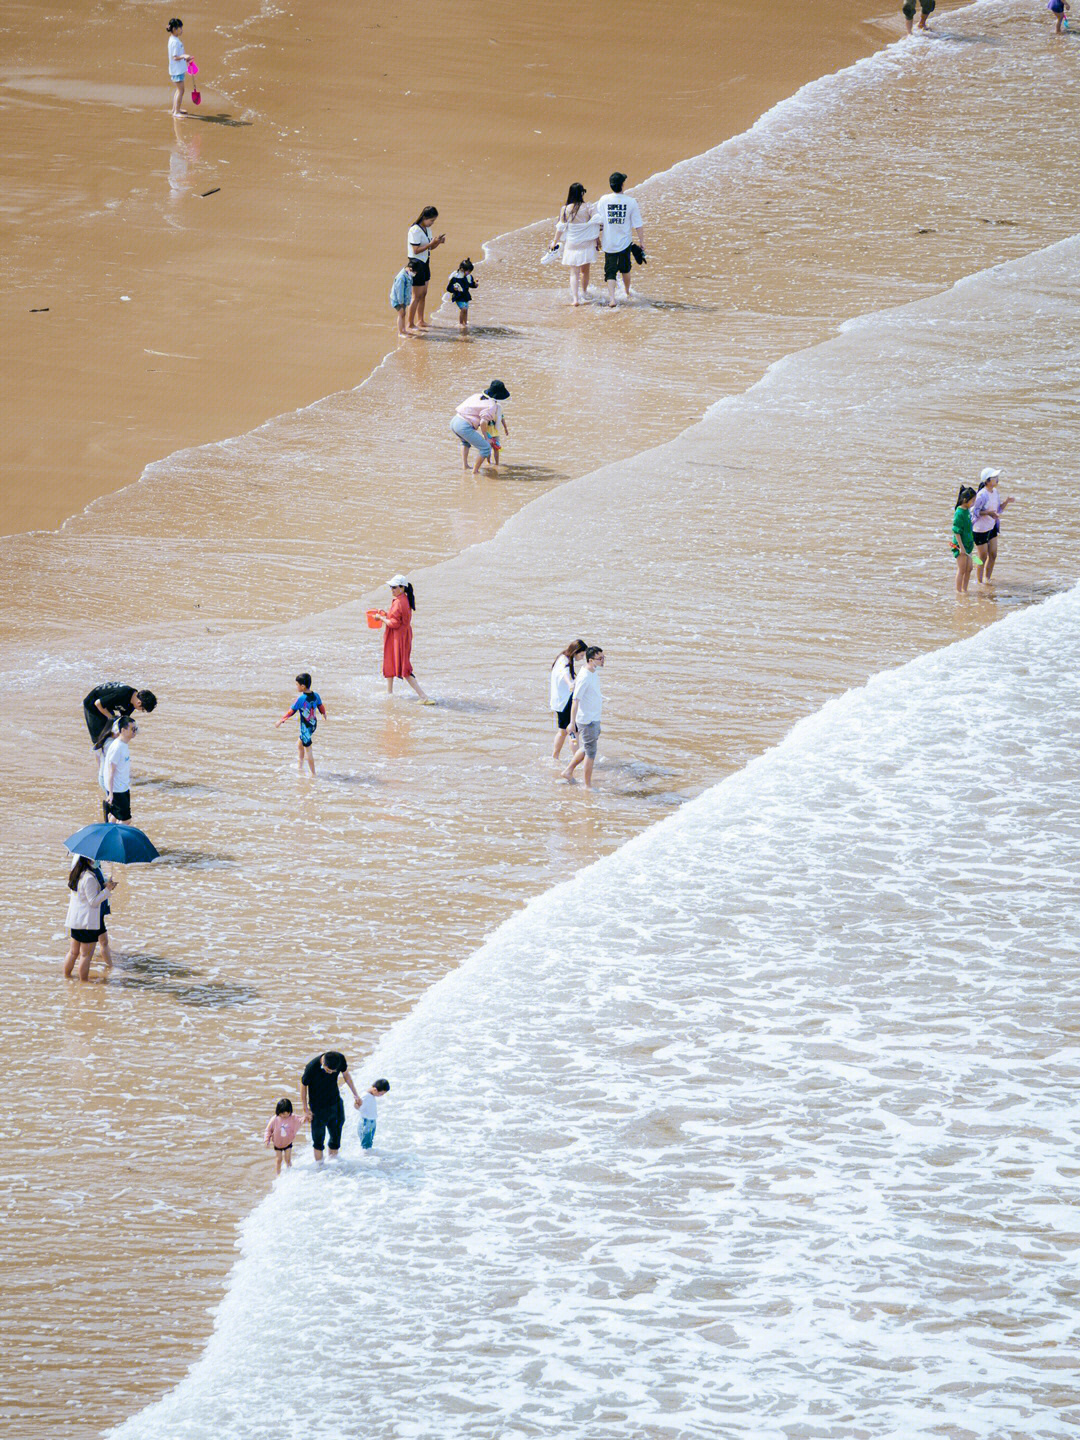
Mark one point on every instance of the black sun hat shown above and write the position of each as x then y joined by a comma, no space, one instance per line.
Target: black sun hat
497,390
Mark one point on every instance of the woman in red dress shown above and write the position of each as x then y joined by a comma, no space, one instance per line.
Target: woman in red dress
397,638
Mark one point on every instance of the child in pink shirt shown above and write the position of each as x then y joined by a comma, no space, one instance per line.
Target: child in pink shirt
281,1132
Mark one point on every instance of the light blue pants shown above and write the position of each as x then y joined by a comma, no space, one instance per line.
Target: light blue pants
366,1130
468,436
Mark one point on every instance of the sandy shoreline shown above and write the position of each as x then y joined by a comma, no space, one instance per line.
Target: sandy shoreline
232,1011
271,293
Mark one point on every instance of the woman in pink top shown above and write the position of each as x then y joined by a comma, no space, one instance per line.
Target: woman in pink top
471,417
281,1132
397,638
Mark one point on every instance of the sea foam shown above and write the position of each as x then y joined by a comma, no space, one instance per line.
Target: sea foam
762,1126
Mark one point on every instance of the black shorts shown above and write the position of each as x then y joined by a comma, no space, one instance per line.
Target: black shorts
616,262
88,937
421,273
562,717
990,535
927,7
329,1122
120,809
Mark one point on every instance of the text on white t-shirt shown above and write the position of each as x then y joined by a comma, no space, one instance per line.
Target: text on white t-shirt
117,766
620,214
588,697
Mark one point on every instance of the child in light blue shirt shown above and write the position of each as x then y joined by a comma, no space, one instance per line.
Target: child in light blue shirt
369,1113
401,295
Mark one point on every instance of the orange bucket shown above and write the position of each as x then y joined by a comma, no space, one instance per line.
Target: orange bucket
374,620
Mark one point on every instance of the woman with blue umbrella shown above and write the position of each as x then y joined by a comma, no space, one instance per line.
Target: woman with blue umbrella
89,903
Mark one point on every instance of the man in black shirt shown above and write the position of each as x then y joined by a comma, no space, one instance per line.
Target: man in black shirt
321,1100
106,702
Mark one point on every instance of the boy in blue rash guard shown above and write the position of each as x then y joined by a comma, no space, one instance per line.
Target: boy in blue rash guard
309,706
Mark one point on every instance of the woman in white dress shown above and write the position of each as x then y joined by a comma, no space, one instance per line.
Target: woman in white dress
579,235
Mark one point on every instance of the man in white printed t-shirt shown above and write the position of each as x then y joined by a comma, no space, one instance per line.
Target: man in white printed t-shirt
116,773
623,227
585,714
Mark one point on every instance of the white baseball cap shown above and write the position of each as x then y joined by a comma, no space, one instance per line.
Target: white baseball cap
397,582
988,474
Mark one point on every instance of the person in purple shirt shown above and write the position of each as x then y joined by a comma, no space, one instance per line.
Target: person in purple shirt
986,520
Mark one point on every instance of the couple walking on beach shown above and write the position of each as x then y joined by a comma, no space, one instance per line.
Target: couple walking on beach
612,227
577,701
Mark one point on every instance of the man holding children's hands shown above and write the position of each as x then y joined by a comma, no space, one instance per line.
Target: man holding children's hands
321,1100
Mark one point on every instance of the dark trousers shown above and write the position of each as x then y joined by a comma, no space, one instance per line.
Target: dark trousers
328,1123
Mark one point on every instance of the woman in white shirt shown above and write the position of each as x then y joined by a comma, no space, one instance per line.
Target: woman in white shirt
985,520
561,692
84,918
178,63
421,243
579,235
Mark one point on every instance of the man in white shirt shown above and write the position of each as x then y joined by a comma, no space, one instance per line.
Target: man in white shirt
620,217
585,714
116,773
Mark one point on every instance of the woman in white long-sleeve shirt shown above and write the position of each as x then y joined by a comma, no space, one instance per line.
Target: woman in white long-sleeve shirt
561,692
84,918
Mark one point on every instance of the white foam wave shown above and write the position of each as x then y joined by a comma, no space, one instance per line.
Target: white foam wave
761,1126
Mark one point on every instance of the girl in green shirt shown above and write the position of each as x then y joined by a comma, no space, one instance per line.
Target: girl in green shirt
963,537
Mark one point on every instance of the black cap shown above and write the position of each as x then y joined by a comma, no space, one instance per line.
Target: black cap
497,390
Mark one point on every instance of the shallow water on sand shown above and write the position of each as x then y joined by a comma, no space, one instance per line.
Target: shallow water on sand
789,546
753,1129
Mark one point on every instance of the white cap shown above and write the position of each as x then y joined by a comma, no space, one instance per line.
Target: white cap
988,474
398,582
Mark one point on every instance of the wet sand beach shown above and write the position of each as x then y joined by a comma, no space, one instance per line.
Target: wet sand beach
700,482
168,317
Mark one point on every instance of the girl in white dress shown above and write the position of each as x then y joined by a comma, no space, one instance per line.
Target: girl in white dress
579,235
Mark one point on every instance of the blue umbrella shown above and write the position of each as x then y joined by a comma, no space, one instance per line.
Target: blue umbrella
123,843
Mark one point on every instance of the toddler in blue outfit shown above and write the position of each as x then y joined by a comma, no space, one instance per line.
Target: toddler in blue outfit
460,288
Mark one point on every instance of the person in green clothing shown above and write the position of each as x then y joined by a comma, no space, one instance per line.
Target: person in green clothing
963,537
